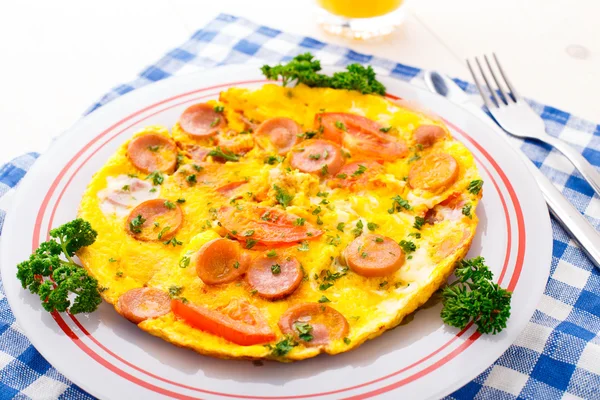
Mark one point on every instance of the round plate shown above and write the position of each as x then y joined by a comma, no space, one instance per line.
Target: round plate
111,358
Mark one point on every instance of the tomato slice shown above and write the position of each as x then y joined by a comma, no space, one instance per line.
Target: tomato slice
361,136
239,322
266,225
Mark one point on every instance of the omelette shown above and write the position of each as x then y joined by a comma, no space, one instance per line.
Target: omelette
281,223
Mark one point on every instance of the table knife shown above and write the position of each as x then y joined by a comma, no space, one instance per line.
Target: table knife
564,212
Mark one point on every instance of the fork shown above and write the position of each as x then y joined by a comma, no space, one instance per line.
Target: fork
516,117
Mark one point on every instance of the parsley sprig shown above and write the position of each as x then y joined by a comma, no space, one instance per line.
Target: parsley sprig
304,69
475,297
52,273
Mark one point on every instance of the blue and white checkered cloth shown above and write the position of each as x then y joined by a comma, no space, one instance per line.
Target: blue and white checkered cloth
556,356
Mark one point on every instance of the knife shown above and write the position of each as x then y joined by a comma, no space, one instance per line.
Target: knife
564,212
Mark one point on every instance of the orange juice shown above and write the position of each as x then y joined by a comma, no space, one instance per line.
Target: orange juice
360,8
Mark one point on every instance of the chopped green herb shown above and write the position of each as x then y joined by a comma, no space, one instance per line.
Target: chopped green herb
185,260
175,291
386,129
271,253
282,197
224,154
475,186
299,221
135,225
215,122
347,340
173,241
272,160
314,156
152,190
249,232
378,240
415,157
319,220
383,284
250,243
407,246
157,178
125,188
324,170
340,125
340,226
358,230
197,167
334,241
316,211
191,179
236,264
325,285
324,299
303,246
416,235
275,269
372,226
181,200
398,204
304,330
119,274
361,170
112,260
419,221
163,231
364,254
154,148
170,205
283,347
341,176
219,108
466,210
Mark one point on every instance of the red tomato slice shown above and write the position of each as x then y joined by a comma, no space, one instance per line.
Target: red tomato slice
361,136
239,322
265,225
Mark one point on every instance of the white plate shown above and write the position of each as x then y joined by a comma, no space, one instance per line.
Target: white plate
111,358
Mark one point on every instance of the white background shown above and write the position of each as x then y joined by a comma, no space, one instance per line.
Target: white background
57,57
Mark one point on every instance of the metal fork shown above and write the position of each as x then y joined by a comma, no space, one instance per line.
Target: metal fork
515,116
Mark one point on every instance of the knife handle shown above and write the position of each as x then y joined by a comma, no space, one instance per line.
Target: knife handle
567,215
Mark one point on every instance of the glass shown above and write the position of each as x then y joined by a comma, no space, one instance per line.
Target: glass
360,19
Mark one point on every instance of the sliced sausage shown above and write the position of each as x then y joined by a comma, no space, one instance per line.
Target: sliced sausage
427,135
318,323
156,219
229,188
274,277
221,261
235,142
374,255
153,152
317,156
432,172
201,120
280,134
140,304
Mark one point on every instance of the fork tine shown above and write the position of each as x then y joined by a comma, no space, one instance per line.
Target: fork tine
484,96
514,93
487,82
503,95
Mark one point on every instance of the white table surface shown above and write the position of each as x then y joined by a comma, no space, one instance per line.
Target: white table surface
57,57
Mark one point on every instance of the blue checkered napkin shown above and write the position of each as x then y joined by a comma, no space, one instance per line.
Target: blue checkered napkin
556,356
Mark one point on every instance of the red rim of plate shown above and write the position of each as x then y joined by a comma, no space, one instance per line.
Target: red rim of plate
468,342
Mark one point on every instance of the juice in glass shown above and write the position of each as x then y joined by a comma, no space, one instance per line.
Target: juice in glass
360,8
360,19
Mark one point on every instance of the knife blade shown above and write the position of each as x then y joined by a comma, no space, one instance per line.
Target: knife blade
565,213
